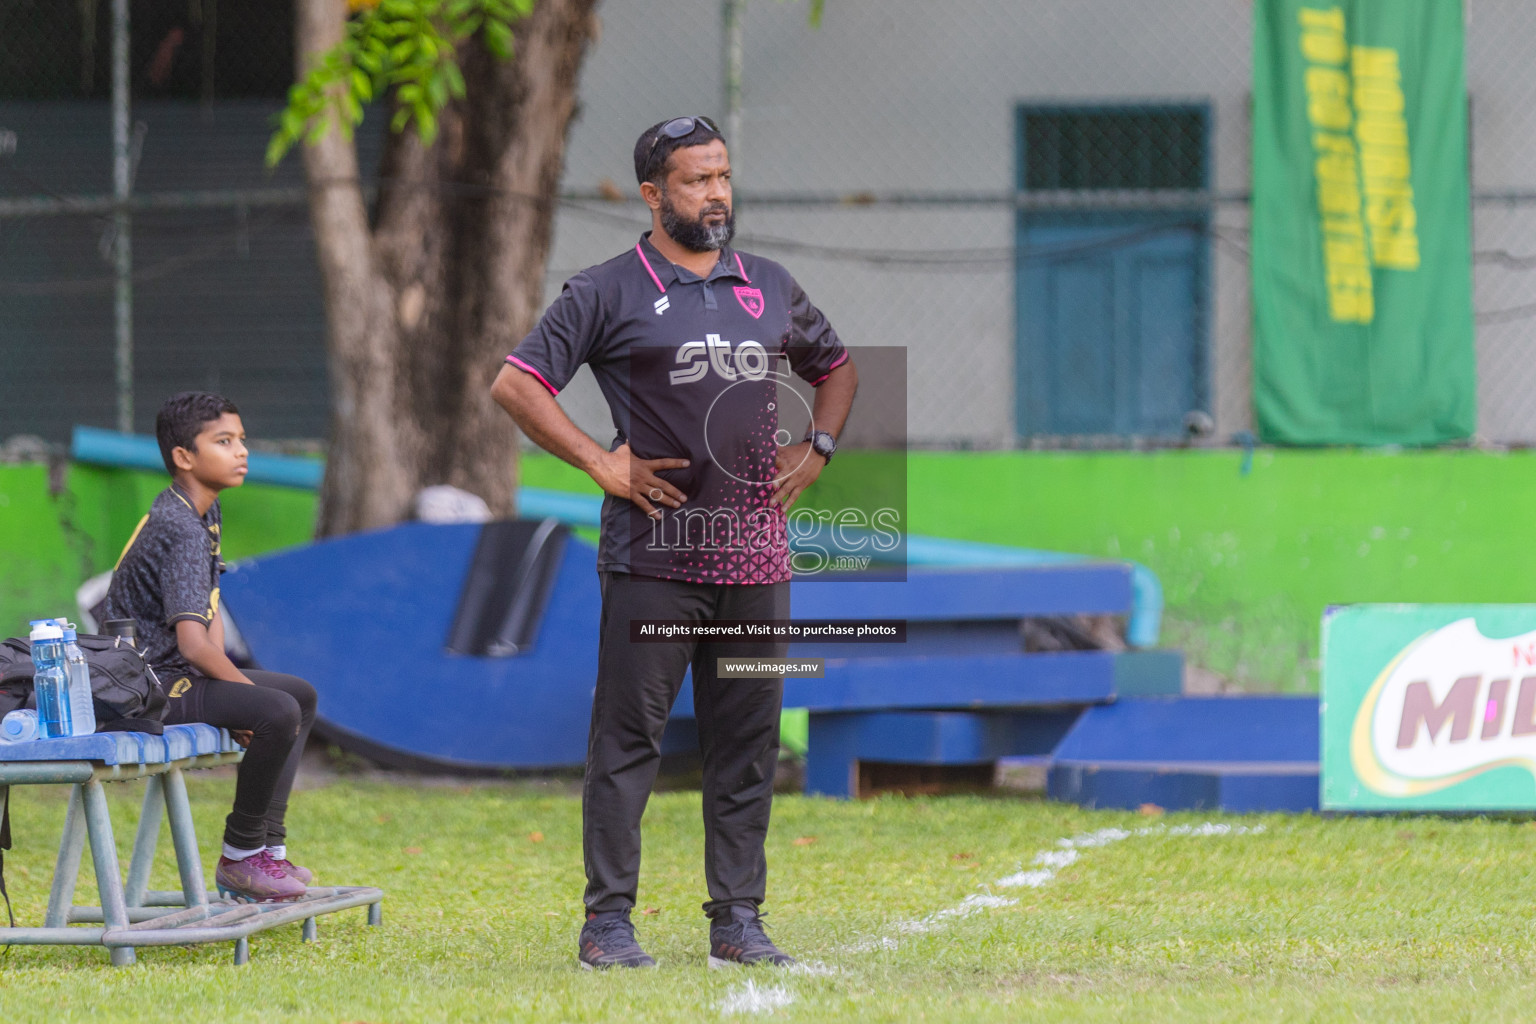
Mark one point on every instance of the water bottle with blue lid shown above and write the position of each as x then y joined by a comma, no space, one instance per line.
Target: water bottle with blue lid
19,726
50,680
82,709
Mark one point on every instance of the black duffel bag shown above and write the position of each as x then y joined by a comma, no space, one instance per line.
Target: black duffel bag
124,689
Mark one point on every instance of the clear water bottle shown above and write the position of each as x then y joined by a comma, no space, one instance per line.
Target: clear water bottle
82,710
50,680
19,726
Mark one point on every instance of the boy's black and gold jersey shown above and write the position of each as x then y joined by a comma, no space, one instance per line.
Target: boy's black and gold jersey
168,572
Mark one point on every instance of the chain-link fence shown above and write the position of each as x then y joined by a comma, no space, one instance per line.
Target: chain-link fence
204,50
1046,204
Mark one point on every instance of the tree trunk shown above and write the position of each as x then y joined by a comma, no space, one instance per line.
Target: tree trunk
423,303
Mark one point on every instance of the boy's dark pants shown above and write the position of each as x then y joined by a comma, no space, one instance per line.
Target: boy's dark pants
279,711
738,721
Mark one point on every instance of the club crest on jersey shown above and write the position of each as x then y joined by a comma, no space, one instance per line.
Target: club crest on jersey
751,300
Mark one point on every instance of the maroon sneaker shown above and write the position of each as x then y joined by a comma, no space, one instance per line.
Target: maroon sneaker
256,879
293,870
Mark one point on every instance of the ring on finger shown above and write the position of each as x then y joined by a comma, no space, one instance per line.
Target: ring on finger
655,493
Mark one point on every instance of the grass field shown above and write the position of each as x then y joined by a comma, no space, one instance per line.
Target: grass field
897,905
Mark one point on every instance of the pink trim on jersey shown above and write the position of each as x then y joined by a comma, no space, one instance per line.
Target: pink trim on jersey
839,362
522,365
741,268
639,252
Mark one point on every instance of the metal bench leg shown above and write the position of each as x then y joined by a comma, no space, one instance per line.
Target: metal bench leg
242,951
311,931
66,870
145,841
375,914
109,882
188,860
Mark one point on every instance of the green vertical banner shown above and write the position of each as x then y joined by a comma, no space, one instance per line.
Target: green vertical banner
1362,264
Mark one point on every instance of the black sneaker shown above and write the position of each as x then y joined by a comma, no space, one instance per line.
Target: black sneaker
736,936
608,940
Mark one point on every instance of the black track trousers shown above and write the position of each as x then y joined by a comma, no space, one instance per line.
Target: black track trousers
279,712
738,721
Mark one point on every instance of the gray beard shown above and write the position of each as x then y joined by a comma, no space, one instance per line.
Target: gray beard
695,235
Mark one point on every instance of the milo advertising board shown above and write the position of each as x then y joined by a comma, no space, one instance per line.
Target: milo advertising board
1429,707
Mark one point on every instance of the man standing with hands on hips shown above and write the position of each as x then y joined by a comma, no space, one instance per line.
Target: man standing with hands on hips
687,338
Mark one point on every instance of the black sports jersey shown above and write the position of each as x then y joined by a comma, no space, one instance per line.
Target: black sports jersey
689,367
168,572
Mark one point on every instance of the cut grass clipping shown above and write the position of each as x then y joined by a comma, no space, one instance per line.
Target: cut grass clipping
956,908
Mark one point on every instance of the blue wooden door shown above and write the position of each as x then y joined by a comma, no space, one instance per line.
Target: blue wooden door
1111,327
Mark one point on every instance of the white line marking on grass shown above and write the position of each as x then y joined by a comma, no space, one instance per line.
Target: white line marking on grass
1031,879
750,998
972,904
1048,863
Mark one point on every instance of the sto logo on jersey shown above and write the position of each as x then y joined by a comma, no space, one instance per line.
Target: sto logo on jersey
749,360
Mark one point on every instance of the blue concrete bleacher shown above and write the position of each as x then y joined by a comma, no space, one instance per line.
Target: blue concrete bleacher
960,691
366,618
1250,753
390,689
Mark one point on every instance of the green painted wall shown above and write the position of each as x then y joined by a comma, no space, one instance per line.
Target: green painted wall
1248,560
50,541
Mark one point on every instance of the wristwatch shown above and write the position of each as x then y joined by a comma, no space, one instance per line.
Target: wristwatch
822,443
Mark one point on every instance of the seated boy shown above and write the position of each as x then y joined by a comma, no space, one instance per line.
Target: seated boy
167,581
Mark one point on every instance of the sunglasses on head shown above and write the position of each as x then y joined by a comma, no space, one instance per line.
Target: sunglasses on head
678,128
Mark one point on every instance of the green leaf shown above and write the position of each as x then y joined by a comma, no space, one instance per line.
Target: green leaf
362,85
400,120
455,79
277,148
426,124
498,39
317,129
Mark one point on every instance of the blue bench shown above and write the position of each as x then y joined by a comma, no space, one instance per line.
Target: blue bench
130,914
